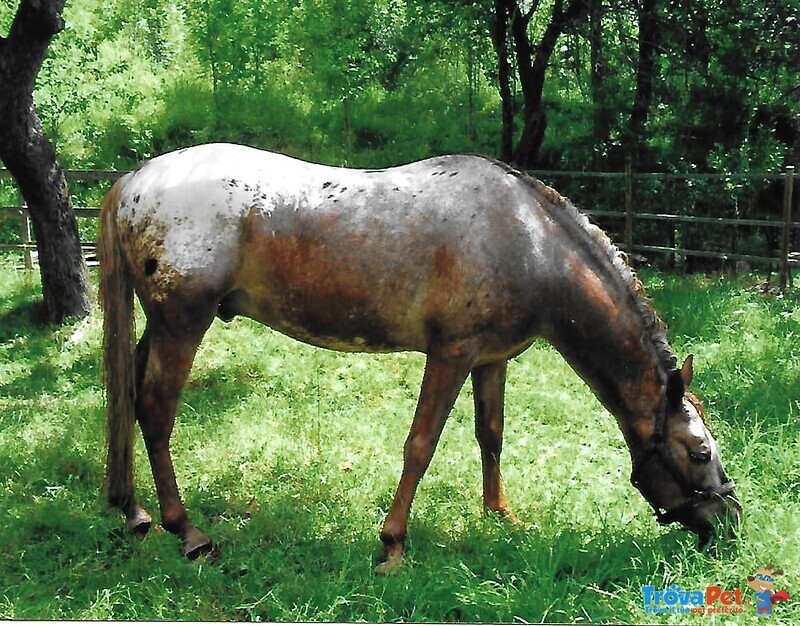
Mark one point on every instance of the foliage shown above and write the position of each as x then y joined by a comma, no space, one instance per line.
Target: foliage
297,515
377,82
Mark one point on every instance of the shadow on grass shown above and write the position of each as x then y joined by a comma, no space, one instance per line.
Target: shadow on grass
217,390
28,341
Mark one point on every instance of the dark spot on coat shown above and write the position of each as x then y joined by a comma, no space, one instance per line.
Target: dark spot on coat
326,185
453,174
136,198
150,267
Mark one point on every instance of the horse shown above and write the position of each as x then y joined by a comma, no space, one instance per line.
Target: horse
459,257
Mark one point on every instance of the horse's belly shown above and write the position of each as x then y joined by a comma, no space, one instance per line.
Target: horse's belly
350,334
327,305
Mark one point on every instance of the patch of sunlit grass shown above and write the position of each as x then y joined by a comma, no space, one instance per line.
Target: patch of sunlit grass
289,456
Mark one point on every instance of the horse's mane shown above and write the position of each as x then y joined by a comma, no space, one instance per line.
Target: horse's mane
598,244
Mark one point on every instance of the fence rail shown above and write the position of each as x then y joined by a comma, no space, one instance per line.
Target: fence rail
785,257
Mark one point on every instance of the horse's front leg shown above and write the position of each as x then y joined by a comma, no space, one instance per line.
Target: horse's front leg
169,360
444,376
488,383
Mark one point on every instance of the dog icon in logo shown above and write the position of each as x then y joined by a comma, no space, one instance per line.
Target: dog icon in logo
762,583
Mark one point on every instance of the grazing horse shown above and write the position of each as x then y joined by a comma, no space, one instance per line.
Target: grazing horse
459,257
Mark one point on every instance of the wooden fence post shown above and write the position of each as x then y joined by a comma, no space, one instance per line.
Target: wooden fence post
787,225
628,207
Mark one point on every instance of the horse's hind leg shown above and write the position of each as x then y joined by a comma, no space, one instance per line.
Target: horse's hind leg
488,382
138,520
168,361
121,492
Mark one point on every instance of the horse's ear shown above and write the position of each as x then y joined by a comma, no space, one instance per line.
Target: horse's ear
687,371
675,388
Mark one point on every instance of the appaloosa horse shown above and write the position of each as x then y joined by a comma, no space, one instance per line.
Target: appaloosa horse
459,257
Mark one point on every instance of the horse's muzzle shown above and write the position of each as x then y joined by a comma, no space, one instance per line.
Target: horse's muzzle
710,515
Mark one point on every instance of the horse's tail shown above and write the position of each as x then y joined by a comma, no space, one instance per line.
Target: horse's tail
116,295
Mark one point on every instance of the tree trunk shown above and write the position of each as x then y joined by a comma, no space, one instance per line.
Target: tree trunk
601,118
500,40
31,159
645,73
532,62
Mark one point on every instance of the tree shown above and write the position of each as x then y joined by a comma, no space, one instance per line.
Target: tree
598,71
646,71
31,159
533,60
504,76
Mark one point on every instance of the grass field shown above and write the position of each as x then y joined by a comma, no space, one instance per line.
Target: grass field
288,456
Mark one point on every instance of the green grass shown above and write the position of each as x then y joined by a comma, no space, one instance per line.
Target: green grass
288,456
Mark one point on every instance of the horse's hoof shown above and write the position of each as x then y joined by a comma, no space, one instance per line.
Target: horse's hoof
139,523
507,515
502,511
391,563
195,544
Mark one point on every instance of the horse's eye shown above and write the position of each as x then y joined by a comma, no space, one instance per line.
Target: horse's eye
701,455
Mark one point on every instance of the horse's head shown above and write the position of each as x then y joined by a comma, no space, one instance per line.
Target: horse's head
679,470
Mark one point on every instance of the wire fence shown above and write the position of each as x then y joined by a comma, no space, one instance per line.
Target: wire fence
687,221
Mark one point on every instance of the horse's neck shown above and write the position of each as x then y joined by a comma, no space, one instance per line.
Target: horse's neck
597,326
